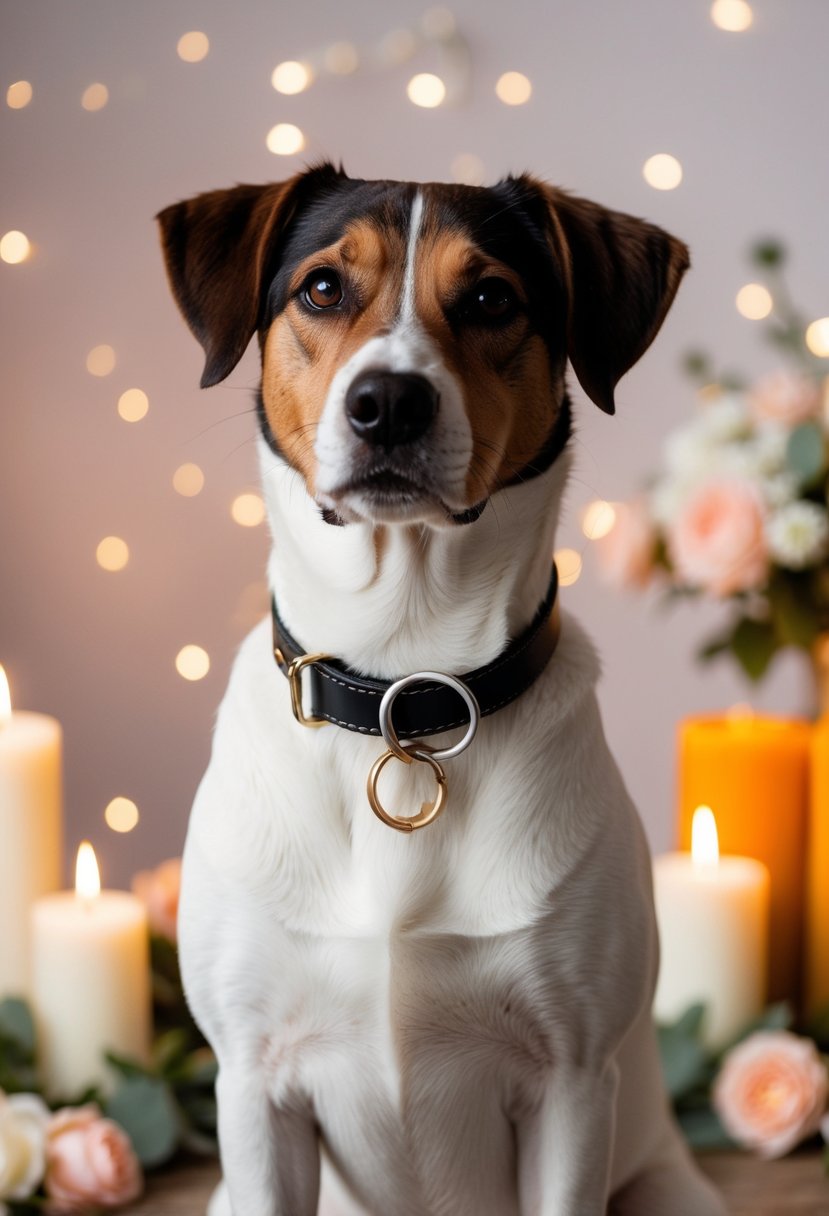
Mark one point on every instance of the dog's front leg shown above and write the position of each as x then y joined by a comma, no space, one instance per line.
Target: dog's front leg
270,1156
565,1145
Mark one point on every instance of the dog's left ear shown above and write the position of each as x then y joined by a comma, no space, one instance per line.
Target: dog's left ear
220,251
622,275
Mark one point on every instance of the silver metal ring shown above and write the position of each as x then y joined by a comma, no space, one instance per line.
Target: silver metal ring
438,677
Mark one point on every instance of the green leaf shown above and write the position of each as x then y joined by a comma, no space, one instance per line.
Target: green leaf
713,648
170,1051
144,1107
806,452
817,1028
703,1130
794,613
697,365
768,252
684,1060
17,1027
125,1066
753,644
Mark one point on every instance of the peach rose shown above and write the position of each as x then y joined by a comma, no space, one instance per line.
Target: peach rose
771,1092
626,552
159,891
90,1163
717,541
785,397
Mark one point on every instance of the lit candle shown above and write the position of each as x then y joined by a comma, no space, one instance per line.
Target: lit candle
91,980
30,831
817,902
755,771
712,914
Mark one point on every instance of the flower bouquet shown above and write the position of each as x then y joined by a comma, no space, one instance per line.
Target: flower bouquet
738,510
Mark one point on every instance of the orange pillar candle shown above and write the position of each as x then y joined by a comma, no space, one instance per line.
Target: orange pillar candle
753,771
817,899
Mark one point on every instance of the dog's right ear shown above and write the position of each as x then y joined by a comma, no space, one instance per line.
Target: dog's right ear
220,251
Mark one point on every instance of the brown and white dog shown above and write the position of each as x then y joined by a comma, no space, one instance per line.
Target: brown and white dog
456,1021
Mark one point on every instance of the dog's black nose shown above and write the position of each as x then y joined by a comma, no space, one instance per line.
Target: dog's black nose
390,408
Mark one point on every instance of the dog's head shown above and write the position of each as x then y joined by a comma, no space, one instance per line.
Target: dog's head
414,337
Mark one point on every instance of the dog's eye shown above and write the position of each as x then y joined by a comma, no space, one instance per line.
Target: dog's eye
492,300
323,289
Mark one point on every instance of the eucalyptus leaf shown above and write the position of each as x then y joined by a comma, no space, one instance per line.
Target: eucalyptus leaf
17,1027
684,1060
753,644
806,452
794,613
125,1066
768,252
703,1130
169,1051
145,1109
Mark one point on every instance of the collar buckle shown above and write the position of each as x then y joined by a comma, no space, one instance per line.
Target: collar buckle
294,673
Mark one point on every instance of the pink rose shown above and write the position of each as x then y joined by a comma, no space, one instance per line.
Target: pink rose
626,552
90,1163
785,397
717,540
771,1092
159,891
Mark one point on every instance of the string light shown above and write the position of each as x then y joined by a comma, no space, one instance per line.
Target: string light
192,662
598,519
15,247
133,405
513,88
426,90
248,510
100,361
95,97
112,553
568,562
121,815
735,16
18,95
397,47
754,301
291,77
193,46
285,139
188,480
341,59
663,171
817,338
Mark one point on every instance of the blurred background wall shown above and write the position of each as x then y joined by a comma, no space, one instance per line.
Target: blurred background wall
612,85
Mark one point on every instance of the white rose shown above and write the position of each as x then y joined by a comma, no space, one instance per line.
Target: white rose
797,534
688,452
726,418
23,1119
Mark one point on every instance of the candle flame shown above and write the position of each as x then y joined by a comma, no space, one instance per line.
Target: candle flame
87,875
5,697
705,844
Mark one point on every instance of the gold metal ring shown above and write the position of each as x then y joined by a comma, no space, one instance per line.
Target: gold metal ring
429,811
295,684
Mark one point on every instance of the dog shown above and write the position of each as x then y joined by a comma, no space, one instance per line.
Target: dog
418,1015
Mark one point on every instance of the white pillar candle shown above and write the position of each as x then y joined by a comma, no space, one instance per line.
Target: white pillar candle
713,916
30,831
91,980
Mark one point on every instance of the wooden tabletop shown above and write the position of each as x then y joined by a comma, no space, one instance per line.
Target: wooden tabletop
795,1186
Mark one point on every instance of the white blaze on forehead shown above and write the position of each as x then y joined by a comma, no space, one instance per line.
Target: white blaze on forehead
407,300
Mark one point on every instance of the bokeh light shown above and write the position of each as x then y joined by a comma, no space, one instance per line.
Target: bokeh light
568,563
663,171
15,247
754,301
133,405
192,662
341,59
426,90
598,519
18,95
193,46
513,88
817,338
188,480
468,169
95,97
291,77
732,15
285,139
248,510
121,815
112,553
100,361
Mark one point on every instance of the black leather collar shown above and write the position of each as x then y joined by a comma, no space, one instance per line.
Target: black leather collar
334,693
